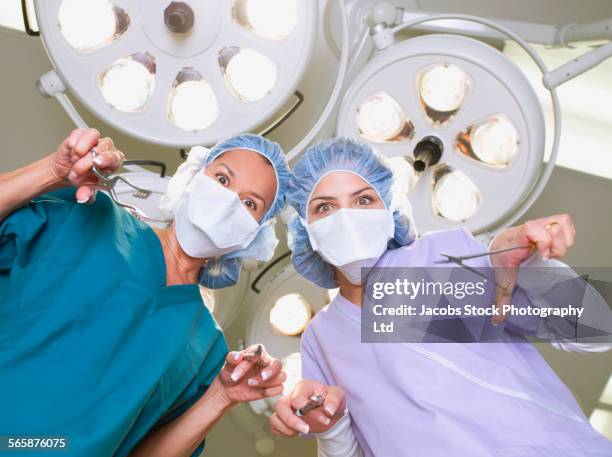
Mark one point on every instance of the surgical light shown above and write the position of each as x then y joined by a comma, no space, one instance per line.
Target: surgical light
380,119
493,141
249,74
455,196
88,26
192,104
290,315
216,64
443,89
127,85
273,19
478,128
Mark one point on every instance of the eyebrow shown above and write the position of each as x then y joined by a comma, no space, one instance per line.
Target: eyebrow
361,190
258,197
229,170
328,197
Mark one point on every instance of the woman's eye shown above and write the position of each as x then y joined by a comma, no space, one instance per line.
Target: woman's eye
224,180
323,208
250,204
364,200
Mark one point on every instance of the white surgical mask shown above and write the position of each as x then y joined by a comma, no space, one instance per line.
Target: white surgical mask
351,239
210,220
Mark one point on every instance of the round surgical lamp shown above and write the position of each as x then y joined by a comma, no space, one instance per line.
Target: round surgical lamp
280,313
180,73
461,122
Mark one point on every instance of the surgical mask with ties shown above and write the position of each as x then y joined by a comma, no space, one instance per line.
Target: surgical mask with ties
352,239
210,220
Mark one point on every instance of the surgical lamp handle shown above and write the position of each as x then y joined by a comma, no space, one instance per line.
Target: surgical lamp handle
576,67
384,37
572,33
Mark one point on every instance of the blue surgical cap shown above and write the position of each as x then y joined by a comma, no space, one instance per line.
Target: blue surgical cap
338,154
225,270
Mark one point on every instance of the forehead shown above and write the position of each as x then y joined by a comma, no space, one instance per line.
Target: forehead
235,155
338,183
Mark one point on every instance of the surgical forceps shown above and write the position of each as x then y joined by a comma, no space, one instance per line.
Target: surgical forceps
108,184
460,259
313,403
256,354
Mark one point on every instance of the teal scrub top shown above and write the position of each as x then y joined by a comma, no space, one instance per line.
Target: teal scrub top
93,346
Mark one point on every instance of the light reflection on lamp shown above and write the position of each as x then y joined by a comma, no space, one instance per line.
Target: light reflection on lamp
129,82
493,141
249,75
455,196
380,118
192,104
443,89
273,19
92,24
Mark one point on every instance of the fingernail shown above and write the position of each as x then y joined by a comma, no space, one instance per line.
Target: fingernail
304,428
236,355
72,176
98,160
236,375
252,382
265,375
83,200
330,410
324,420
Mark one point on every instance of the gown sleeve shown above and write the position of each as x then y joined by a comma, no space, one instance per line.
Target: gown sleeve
541,289
23,229
338,441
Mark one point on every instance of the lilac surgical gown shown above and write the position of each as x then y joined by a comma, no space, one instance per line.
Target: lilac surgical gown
446,399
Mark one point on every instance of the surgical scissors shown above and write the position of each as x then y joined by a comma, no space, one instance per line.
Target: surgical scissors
108,184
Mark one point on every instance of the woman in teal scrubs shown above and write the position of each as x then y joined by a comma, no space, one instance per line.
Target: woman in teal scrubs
104,339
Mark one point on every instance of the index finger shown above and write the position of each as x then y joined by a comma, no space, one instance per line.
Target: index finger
86,141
